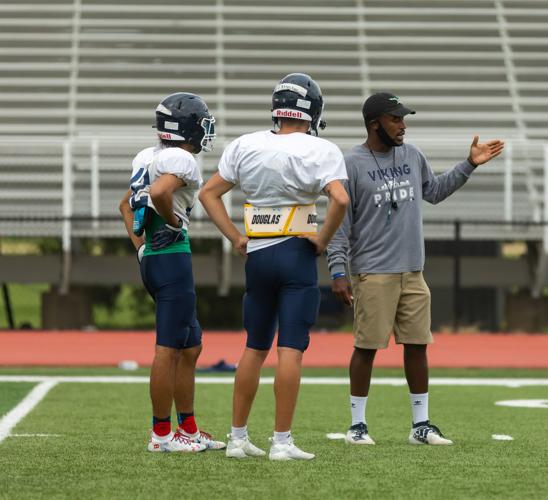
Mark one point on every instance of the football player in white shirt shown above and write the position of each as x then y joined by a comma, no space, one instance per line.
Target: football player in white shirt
163,189
282,172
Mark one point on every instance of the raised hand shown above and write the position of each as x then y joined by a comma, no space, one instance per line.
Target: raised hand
482,153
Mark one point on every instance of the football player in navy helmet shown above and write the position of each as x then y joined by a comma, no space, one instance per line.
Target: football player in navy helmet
282,172
299,97
156,209
185,118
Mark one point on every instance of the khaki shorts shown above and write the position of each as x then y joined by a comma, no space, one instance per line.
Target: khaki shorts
386,303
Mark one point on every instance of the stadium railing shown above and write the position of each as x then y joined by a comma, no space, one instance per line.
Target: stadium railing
88,177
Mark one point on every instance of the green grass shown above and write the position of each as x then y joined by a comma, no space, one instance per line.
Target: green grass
12,393
103,426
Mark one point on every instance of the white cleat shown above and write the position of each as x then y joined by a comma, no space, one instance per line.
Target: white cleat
203,438
173,442
357,434
242,448
427,433
284,452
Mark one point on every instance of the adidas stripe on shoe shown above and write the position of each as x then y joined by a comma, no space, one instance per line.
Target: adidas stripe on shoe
357,434
427,433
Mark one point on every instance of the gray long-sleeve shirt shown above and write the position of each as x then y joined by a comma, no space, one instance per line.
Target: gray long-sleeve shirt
370,240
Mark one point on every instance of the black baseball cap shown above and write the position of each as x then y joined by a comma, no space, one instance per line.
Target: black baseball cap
384,102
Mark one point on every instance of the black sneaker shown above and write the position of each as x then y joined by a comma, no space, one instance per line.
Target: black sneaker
427,433
357,434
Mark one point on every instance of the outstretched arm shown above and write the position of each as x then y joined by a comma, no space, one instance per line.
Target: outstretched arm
435,188
210,197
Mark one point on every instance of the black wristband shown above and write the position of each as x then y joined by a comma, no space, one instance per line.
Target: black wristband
469,159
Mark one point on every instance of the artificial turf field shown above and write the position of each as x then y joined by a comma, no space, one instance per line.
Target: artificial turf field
98,434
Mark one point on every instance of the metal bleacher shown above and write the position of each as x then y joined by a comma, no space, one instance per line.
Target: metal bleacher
79,81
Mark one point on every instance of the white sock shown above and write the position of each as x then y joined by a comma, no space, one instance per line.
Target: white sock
163,439
239,432
282,437
357,408
419,407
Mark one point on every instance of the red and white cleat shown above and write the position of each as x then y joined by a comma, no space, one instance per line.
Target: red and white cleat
173,442
203,438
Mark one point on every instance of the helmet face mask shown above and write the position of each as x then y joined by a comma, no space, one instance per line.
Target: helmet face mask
208,125
299,97
184,117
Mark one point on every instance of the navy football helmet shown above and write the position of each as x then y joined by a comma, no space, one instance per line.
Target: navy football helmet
299,97
184,117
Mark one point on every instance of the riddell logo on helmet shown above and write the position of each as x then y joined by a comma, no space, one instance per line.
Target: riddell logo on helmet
288,113
164,135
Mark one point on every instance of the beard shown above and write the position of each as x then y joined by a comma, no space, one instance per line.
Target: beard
385,138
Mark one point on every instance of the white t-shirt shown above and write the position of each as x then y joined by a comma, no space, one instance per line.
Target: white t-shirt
277,170
151,163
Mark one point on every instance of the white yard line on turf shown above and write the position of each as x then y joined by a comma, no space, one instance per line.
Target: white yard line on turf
12,418
502,437
395,381
335,435
34,435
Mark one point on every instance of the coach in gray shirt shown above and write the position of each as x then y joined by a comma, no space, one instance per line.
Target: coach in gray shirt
381,245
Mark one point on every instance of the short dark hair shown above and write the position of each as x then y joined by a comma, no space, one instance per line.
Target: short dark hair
171,144
290,121
368,122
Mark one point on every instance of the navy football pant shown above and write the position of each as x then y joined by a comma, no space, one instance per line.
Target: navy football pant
168,279
281,290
